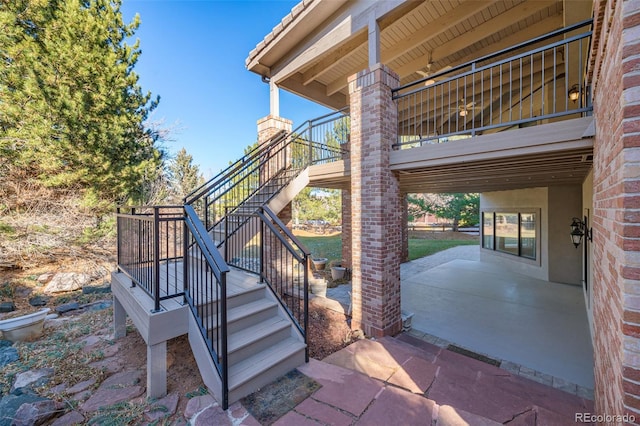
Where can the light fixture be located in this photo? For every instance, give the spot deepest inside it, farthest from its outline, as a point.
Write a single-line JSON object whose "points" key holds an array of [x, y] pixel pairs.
{"points": [[578, 230], [574, 93]]}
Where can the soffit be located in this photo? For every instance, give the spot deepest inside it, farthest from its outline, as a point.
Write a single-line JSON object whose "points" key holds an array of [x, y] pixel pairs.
{"points": [[315, 61]]}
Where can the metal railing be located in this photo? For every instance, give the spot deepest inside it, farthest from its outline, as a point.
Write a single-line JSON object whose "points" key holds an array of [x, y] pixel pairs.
{"points": [[205, 277], [259, 175], [498, 92], [150, 249], [271, 251]]}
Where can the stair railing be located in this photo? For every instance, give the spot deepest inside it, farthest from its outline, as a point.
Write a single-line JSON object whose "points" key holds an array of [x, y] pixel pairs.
{"points": [[205, 284]]}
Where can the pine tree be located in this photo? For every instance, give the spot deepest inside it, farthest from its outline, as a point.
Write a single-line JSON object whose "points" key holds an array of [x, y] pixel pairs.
{"points": [[184, 176], [72, 113]]}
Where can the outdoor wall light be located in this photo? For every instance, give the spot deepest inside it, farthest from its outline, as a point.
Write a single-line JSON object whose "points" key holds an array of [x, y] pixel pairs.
{"points": [[578, 230], [574, 93]]}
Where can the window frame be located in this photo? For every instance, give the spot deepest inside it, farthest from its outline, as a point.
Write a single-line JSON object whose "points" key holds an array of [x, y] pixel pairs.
{"points": [[519, 212]]}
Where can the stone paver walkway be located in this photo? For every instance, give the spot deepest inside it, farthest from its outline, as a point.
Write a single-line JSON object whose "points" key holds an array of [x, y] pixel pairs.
{"points": [[408, 381]]}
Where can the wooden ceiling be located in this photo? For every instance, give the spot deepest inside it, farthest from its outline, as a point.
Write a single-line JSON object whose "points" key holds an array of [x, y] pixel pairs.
{"points": [[314, 52]]}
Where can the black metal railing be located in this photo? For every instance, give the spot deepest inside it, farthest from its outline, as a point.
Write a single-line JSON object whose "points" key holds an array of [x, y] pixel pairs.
{"points": [[205, 279], [504, 90], [259, 175], [150, 249], [264, 246]]}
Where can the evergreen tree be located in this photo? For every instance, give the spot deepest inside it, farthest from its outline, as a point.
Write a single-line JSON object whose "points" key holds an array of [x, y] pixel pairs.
{"points": [[184, 176], [71, 110]]}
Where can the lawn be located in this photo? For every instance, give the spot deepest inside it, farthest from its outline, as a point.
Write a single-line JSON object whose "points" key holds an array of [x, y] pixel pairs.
{"points": [[331, 247]]}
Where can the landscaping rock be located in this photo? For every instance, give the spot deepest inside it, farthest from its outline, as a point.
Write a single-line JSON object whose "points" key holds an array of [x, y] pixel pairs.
{"points": [[36, 413], [122, 379], [39, 300], [110, 365], [98, 306], [10, 404], [162, 408], [213, 415], [44, 278], [71, 418], [8, 355], [7, 307], [81, 386], [67, 281], [67, 307], [92, 289], [32, 378], [198, 404], [5, 343], [107, 397]]}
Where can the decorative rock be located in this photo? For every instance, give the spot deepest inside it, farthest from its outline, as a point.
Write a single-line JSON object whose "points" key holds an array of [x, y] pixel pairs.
{"points": [[96, 289], [213, 415], [39, 300], [197, 404], [79, 387], [8, 355], [44, 278], [162, 408], [36, 413], [122, 379], [5, 343], [71, 418], [67, 281], [106, 397], [7, 307], [110, 365], [67, 307], [98, 306], [10, 404], [32, 377]]}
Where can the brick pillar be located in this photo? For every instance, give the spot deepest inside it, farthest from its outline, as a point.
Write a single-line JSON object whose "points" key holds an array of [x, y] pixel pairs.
{"points": [[616, 183], [346, 228], [270, 125], [405, 229], [376, 207]]}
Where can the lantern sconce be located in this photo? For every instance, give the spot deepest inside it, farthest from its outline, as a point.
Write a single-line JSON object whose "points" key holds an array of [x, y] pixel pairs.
{"points": [[574, 93], [578, 230]]}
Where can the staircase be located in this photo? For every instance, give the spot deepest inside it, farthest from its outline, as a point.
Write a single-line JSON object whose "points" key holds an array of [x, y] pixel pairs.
{"points": [[243, 274]]}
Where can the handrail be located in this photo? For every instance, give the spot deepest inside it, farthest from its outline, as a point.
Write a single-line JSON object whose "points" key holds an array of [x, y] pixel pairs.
{"points": [[273, 278], [521, 90], [516, 47], [201, 293]]}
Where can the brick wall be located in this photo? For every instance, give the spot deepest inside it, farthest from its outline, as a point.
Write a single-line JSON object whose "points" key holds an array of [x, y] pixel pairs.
{"points": [[346, 227], [376, 206], [615, 70]]}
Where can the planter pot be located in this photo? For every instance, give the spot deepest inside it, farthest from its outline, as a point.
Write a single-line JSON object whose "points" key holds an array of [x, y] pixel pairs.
{"points": [[319, 288], [320, 263], [337, 272], [24, 328]]}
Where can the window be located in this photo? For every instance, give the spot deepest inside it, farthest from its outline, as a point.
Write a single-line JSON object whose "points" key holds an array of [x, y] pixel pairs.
{"points": [[510, 232]]}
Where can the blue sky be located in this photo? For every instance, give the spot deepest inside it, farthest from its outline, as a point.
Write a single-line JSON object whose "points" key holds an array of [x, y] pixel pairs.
{"points": [[193, 55]]}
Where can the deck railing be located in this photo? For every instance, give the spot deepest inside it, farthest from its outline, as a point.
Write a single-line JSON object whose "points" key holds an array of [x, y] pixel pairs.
{"points": [[150, 249], [542, 80]]}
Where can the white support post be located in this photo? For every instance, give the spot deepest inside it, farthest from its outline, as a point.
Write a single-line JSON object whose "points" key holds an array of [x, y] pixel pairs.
{"points": [[374, 42], [274, 99], [119, 319], [157, 370]]}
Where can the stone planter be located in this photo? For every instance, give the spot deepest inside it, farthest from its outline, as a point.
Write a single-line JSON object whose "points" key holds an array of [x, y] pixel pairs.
{"points": [[337, 272], [318, 288], [24, 328], [319, 263]]}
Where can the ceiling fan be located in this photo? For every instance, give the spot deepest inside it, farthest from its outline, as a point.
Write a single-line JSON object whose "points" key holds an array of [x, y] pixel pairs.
{"points": [[464, 108], [428, 73]]}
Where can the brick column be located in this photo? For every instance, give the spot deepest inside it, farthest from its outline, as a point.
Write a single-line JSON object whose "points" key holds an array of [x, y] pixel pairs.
{"points": [[270, 125], [405, 229], [616, 184], [376, 207], [346, 228]]}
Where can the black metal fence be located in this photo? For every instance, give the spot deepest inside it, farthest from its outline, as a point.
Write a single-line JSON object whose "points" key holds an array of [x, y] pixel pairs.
{"points": [[539, 81], [150, 249]]}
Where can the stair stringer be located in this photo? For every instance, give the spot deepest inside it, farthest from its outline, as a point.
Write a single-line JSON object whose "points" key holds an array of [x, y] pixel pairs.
{"points": [[289, 192], [207, 368]]}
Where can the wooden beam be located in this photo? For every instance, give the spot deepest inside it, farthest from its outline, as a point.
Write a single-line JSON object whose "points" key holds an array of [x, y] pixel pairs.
{"points": [[435, 28], [345, 51], [481, 32]]}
